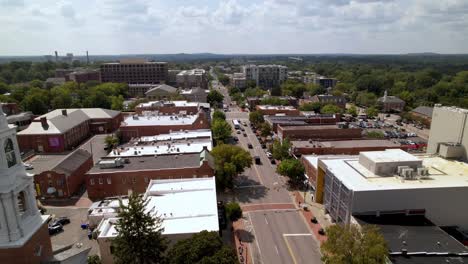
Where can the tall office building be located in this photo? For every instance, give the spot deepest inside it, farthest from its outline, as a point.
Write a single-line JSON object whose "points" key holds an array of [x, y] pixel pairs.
{"points": [[134, 71], [266, 76]]}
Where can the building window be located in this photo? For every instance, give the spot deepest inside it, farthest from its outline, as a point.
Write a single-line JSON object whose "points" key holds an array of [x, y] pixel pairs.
{"points": [[22, 207], [146, 179], [109, 181], [91, 181], [10, 153], [100, 180], [133, 180], [124, 180], [60, 182]]}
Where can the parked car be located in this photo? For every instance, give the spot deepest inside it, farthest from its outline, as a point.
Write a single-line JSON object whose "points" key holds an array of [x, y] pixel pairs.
{"points": [[249, 145], [55, 228], [263, 146], [269, 155], [238, 132], [236, 139], [245, 135], [273, 161], [61, 220]]}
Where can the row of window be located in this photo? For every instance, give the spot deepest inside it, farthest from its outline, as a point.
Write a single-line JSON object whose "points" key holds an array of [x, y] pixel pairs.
{"points": [[109, 180]]}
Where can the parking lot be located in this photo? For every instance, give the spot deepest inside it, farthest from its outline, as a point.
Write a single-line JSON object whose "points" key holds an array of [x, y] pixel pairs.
{"points": [[72, 232]]}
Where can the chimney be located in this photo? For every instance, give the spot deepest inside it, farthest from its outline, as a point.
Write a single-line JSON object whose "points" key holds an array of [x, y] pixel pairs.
{"points": [[44, 122], [56, 56], [87, 58], [64, 112]]}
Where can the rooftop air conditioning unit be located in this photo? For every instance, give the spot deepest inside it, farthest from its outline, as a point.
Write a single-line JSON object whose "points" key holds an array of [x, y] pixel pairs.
{"points": [[408, 174], [400, 169], [423, 172]]}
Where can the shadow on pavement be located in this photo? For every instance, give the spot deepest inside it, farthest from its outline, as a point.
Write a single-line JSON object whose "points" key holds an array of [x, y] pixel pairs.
{"points": [[247, 195], [243, 180], [244, 235]]}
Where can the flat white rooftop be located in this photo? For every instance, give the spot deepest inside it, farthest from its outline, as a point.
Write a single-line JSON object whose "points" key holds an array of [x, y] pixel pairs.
{"points": [[186, 206], [276, 107], [160, 120], [188, 134], [160, 149], [442, 174], [389, 155], [162, 103]]}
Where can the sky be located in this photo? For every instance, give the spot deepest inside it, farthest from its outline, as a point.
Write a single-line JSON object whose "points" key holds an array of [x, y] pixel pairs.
{"points": [[39, 27]]}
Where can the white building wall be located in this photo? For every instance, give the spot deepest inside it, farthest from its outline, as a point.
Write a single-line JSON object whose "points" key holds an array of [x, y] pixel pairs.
{"points": [[444, 206], [448, 125]]}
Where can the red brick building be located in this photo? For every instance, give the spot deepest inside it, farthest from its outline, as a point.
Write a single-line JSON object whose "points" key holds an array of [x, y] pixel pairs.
{"points": [[60, 175], [323, 132], [64, 129], [325, 99], [342, 147], [277, 110], [112, 177], [320, 119], [150, 124], [83, 76]]}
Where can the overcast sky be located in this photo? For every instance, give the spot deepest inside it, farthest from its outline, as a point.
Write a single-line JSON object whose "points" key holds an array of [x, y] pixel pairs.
{"points": [[38, 27]]}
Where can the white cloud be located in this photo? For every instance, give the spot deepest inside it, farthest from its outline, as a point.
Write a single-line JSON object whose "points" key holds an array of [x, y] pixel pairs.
{"points": [[234, 26]]}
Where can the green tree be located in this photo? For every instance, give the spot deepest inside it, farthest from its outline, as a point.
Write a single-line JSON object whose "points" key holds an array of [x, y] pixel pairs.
{"points": [[223, 79], [372, 112], [230, 161], [219, 115], [93, 259], [214, 98], [221, 130], [117, 102], [251, 84], [293, 88], [315, 106], [280, 149], [135, 103], [273, 101], [331, 109], [254, 92], [293, 169], [233, 211], [20, 76], [4, 88], [139, 239], [347, 244], [352, 111], [256, 118], [111, 142], [36, 83], [204, 247], [265, 129], [37, 101]]}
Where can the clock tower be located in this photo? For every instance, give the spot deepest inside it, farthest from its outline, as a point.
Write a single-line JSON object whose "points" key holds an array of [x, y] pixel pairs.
{"points": [[24, 235]]}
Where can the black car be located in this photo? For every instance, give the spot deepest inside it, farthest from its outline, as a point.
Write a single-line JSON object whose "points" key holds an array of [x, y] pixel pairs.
{"points": [[245, 135], [257, 160], [263, 146], [235, 139], [250, 146], [273, 162], [55, 228], [62, 220]]}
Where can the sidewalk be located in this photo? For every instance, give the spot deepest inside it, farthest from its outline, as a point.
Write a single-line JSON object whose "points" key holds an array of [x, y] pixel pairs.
{"points": [[241, 240], [313, 210]]}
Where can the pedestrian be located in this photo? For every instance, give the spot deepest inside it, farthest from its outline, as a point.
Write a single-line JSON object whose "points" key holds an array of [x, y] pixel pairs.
{"points": [[90, 234]]}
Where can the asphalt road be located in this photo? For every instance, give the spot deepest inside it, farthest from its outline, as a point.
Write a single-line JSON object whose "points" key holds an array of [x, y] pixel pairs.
{"points": [[275, 230]]}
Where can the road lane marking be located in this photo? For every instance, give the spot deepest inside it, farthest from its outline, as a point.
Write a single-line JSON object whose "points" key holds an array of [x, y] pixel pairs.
{"points": [[290, 250], [258, 174], [291, 235], [277, 251], [256, 240], [266, 221]]}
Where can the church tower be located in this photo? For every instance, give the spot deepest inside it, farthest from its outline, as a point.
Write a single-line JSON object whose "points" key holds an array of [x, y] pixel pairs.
{"points": [[24, 235]]}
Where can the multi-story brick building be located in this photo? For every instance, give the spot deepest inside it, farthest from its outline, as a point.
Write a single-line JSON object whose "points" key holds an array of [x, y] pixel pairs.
{"points": [[323, 132], [192, 78], [342, 147], [266, 76], [320, 119], [83, 76], [239, 81], [155, 123], [60, 175], [391, 103], [134, 71], [117, 176], [64, 129]]}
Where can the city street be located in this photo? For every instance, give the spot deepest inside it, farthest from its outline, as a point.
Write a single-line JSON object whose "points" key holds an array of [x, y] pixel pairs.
{"points": [[275, 231]]}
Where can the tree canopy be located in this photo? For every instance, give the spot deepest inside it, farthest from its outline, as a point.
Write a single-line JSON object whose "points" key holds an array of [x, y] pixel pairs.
{"points": [[331, 109], [217, 114], [293, 169], [256, 118], [230, 161], [233, 211], [215, 98], [280, 149], [139, 239], [221, 130], [349, 245], [204, 247]]}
